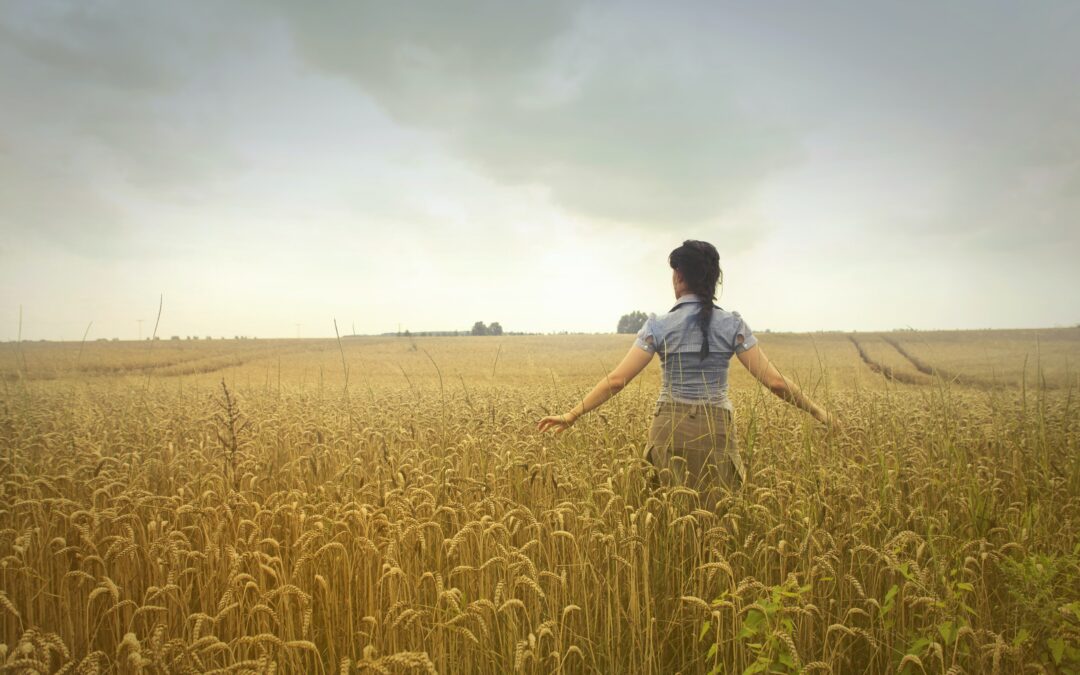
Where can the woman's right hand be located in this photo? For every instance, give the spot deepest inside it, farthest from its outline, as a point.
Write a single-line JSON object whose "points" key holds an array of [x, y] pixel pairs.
{"points": [[559, 423], [831, 422]]}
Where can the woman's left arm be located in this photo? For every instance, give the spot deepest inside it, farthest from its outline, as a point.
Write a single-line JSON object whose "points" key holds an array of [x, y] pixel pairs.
{"points": [[633, 363]]}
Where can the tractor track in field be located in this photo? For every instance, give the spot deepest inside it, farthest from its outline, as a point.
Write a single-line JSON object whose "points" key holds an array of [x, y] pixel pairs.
{"points": [[196, 365], [887, 371], [933, 371]]}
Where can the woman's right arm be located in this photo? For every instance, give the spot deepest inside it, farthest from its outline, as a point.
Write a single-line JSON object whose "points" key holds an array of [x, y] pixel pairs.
{"points": [[633, 363], [761, 368]]}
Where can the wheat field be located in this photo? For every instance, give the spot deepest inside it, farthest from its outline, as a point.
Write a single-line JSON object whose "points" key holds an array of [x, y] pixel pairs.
{"points": [[385, 505]]}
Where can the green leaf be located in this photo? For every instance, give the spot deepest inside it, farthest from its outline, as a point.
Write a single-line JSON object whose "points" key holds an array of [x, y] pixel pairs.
{"points": [[712, 651], [890, 598], [1057, 649], [1073, 607], [1021, 637], [891, 593], [754, 619], [918, 646], [965, 586], [717, 669], [947, 630], [704, 630], [905, 570], [758, 666]]}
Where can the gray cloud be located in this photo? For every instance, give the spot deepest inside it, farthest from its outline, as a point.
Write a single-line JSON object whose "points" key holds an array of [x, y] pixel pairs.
{"points": [[981, 97], [853, 137], [627, 112], [45, 200], [615, 117], [676, 116], [101, 101]]}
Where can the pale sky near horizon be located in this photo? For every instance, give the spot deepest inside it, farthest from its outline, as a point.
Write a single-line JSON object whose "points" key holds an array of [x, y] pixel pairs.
{"points": [[859, 165]]}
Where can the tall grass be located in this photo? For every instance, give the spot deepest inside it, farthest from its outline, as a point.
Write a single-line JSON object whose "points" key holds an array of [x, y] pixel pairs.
{"points": [[239, 527]]}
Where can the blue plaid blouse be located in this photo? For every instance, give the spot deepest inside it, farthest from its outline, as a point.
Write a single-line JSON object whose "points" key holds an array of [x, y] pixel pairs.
{"points": [[676, 337]]}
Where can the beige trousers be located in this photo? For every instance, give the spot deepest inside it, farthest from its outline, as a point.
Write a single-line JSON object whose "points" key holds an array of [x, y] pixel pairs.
{"points": [[693, 445]]}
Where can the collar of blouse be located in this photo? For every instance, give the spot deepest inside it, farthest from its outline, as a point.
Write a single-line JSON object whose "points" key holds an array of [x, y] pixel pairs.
{"points": [[687, 298]]}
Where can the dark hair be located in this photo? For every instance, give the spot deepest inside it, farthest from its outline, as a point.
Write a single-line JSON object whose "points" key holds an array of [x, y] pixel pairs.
{"points": [[699, 264]]}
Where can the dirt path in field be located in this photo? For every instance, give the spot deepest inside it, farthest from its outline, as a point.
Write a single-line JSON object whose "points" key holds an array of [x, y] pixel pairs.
{"points": [[194, 365], [927, 369], [887, 371]]}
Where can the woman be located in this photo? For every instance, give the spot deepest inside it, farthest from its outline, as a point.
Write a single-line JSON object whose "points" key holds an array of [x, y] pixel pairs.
{"points": [[691, 440]]}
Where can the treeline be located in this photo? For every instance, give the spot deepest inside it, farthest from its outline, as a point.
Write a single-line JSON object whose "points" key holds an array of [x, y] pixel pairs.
{"points": [[479, 328], [632, 322]]}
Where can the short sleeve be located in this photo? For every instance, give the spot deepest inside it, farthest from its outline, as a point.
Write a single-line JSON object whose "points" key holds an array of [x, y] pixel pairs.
{"points": [[744, 338], [645, 339]]}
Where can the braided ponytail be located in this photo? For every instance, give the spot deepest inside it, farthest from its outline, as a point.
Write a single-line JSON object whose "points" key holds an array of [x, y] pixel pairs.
{"points": [[699, 264]]}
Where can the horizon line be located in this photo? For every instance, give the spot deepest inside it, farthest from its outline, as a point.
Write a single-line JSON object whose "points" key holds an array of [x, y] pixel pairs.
{"points": [[467, 333]]}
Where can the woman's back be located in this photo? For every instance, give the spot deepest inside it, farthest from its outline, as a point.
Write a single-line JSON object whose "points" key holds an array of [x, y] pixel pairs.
{"points": [[691, 439], [687, 377]]}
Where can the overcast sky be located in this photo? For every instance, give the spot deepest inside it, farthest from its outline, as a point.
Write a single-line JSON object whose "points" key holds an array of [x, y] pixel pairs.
{"points": [[859, 165]]}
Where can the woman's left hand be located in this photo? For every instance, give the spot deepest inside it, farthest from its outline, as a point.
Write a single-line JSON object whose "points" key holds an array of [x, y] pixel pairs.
{"points": [[559, 423]]}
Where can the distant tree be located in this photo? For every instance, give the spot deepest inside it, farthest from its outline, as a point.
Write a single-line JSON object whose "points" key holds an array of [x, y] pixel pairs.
{"points": [[632, 322], [479, 328], [175, 337], [495, 328]]}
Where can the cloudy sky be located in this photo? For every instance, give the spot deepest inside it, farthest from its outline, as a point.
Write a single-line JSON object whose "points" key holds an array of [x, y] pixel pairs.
{"points": [[859, 165]]}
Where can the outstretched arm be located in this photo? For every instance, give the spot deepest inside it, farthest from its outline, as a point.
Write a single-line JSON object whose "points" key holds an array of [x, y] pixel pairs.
{"points": [[761, 368], [614, 382]]}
